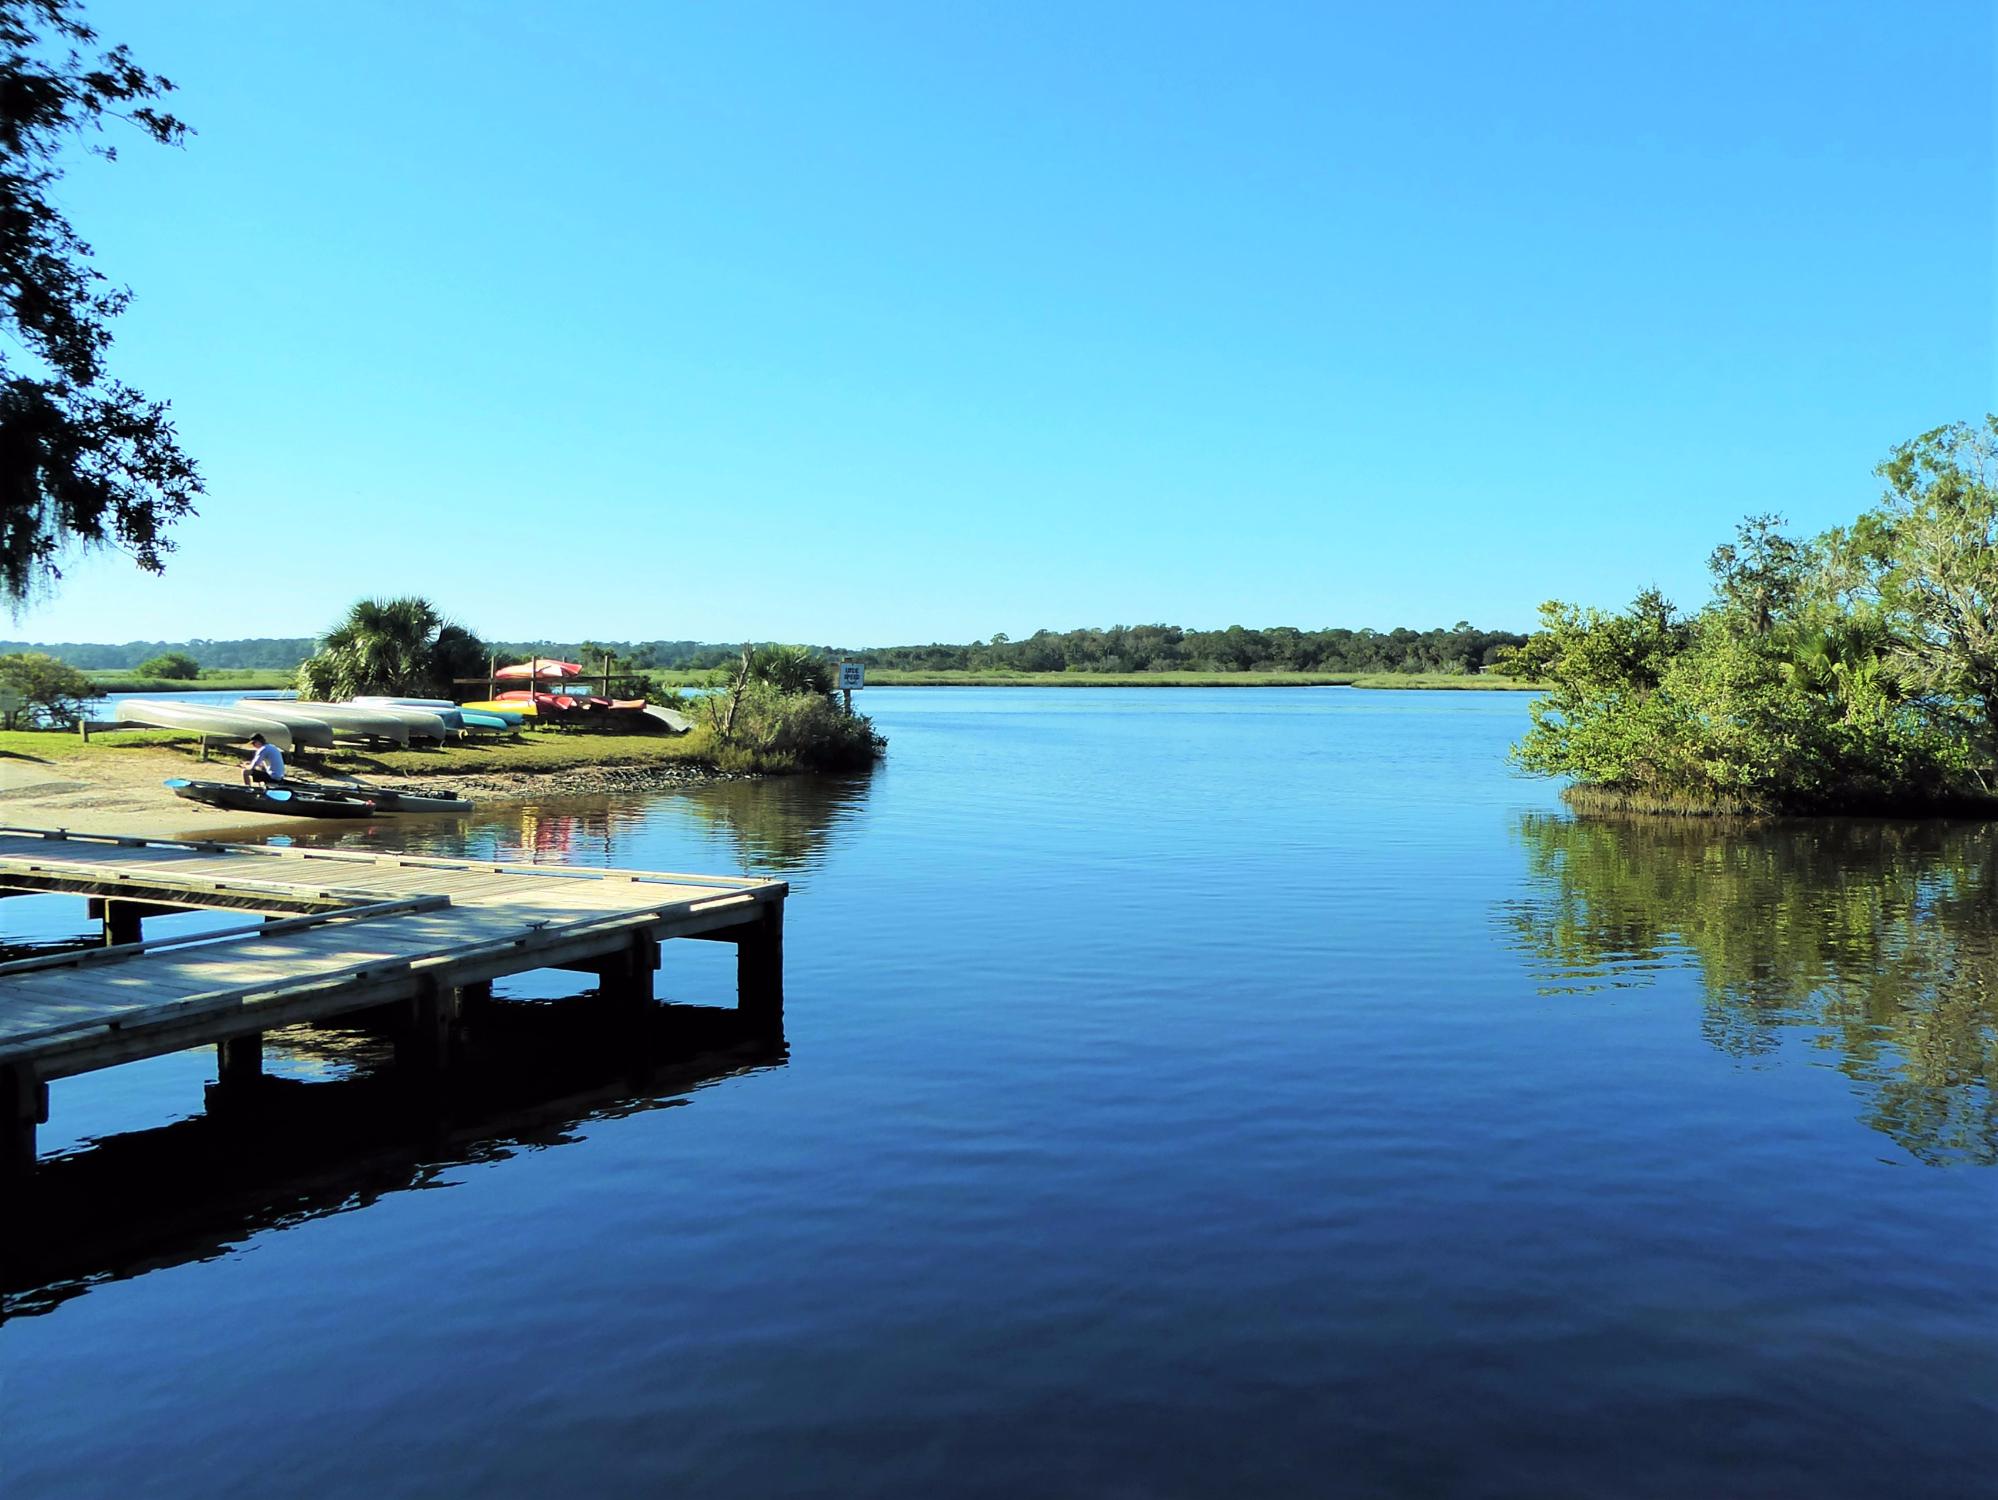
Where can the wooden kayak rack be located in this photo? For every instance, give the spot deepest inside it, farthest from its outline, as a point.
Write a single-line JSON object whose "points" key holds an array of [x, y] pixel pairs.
{"points": [[340, 932]]}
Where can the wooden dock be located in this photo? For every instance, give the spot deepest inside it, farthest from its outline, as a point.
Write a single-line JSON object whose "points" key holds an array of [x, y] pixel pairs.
{"points": [[336, 933]]}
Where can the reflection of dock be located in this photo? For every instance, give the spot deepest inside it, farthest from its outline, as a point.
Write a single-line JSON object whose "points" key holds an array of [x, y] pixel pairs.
{"points": [[343, 933], [290, 1151]]}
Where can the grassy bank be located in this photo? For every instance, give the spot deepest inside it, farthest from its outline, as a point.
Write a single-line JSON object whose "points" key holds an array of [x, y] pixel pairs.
{"points": [[229, 679], [533, 753], [1483, 682], [56, 746]]}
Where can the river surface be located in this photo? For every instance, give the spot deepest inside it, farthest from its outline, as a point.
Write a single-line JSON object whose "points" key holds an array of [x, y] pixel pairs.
{"points": [[1184, 1093]]}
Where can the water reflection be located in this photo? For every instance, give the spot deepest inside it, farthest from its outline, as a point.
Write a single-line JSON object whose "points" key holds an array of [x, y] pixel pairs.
{"points": [[1874, 939], [537, 1077], [777, 826], [782, 825]]}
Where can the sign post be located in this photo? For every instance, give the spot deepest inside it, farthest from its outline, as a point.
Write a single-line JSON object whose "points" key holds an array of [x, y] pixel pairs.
{"points": [[11, 703], [852, 675]]}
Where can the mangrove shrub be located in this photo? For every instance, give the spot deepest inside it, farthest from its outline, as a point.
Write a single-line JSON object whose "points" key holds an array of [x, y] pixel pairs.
{"points": [[1855, 670]]}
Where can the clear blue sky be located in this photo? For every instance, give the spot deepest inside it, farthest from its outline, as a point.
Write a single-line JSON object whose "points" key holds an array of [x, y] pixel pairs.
{"points": [[872, 323]]}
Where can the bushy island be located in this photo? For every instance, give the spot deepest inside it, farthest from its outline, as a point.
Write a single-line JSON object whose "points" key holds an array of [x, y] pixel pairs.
{"points": [[1856, 671]]}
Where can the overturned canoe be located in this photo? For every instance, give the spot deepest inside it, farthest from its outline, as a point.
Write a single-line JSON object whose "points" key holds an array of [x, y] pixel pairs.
{"points": [[422, 723], [284, 801], [348, 722], [307, 731], [216, 720]]}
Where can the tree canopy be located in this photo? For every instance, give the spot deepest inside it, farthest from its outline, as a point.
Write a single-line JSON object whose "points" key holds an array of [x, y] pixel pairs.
{"points": [[1857, 669], [394, 647], [85, 460]]}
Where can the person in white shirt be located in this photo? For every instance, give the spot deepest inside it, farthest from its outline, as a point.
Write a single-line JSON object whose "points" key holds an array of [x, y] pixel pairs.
{"points": [[266, 767]]}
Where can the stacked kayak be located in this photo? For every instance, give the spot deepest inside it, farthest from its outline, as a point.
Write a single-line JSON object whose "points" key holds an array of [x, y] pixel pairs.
{"points": [[217, 721], [471, 717], [287, 801]]}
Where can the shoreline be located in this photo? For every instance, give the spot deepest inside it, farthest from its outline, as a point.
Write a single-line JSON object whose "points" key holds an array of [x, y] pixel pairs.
{"points": [[122, 793]]}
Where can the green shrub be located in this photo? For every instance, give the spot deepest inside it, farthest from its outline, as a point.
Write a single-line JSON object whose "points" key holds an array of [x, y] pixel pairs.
{"points": [[53, 690], [760, 725], [172, 666]]}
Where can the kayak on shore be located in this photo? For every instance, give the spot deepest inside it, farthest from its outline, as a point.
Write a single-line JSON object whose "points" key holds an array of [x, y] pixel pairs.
{"points": [[387, 799], [281, 800]]}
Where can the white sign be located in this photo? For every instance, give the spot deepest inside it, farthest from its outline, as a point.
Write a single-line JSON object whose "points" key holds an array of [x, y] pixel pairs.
{"points": [[852, 674]]}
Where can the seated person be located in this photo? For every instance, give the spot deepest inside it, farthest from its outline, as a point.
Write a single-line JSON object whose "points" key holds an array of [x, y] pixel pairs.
{"points": [[266, 767]]}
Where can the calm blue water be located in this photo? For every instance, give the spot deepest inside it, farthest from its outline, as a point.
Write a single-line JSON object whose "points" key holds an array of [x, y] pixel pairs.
{"points": [[1187, 1093]]}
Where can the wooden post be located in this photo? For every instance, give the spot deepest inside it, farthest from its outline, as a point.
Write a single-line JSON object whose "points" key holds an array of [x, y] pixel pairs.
{"points": [[122, 923], [428, 1040], [239, 1062], [759, 966], [24, 1104]]}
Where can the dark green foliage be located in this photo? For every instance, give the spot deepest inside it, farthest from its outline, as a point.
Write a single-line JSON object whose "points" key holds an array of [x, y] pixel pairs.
{"points": [[172, 665], [776, 712], [1856, 671], [53, 690], [393, 647], [84, 459], [268, 655], [1169, 648]]}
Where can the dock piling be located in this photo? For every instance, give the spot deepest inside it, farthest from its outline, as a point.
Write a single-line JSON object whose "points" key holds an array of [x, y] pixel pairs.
{"points": [[759, 966], [24, 1104]]}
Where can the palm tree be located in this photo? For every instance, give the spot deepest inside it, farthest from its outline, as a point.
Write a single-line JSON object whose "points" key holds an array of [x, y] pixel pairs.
{"points": [[791, 669], [395, 647]]}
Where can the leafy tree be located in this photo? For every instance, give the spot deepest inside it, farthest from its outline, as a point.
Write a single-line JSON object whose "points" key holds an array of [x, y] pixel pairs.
{"points": [[173, 665], [55, 690], [1859, 670], [393, 647], [1932, 550], [1760, 573], [84, 459]]}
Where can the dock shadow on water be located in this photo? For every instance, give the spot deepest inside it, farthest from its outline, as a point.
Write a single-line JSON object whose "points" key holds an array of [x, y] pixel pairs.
{"points": [[1873, 943], [535, 1076]]}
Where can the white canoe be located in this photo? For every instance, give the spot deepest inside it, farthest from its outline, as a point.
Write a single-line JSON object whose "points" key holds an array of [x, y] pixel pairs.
{"points": [[420, 722], [348, 722], [216, 720], [306, 731]]}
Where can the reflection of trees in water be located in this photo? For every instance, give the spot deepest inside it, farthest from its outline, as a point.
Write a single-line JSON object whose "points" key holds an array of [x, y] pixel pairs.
{"points": [[781, 824], [1876, 937]]}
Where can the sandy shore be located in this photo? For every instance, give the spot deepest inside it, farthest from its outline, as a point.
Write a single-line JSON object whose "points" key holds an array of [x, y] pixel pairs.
{"points": [[122, 793]]}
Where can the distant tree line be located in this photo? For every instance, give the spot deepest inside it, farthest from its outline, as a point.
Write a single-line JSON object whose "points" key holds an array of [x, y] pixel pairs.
{"points": [[267, 655], [1458, 648], [1120, 648]]}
